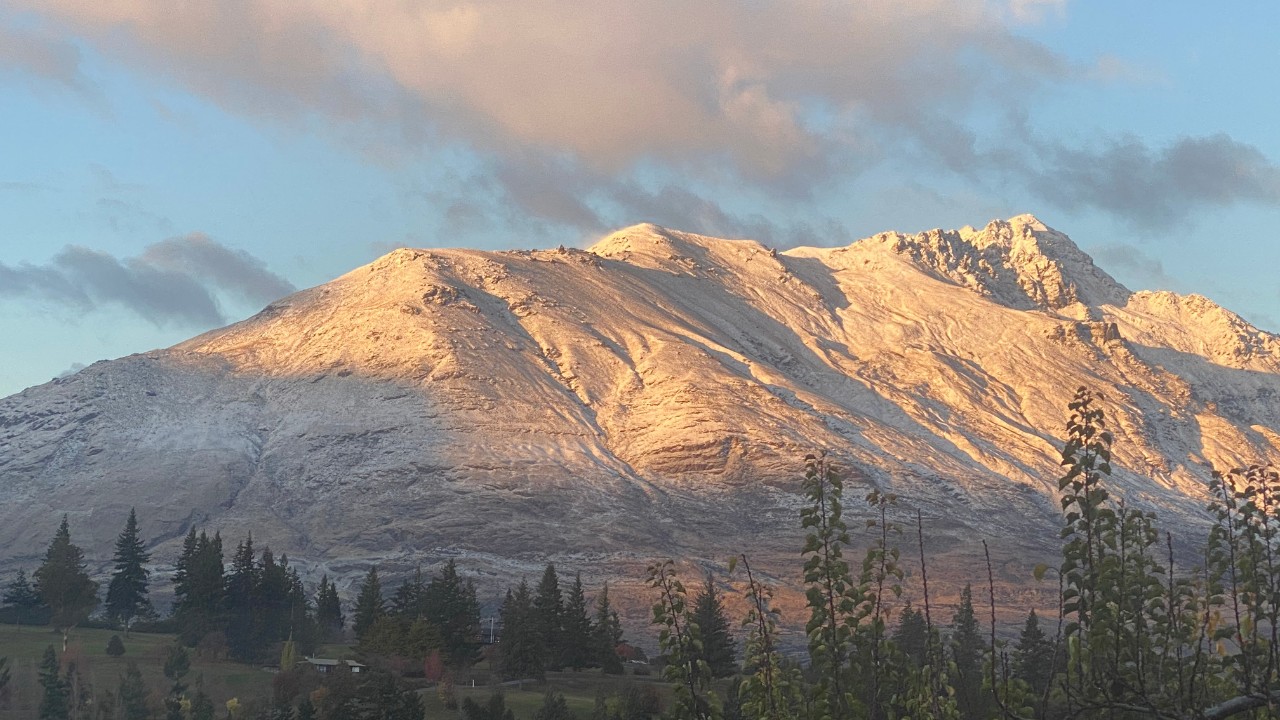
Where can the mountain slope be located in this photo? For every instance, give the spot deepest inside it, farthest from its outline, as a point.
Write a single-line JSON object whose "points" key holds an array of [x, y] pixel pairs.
{"points": [[653, 395]]}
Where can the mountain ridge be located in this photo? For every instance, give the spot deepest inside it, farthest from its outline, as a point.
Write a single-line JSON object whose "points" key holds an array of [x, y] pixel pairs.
{"points": [[654, 394]]}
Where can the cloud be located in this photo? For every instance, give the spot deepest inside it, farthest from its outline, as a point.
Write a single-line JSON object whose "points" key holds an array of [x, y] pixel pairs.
{"points": [[1156, 189], [548, 195], [234, 271], [45, 55], [173, 282], [768, 90], [72, 370], [1130, 261], [576, 106]]}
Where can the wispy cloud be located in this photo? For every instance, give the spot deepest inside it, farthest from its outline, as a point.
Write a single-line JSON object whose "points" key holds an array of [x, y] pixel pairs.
{"points": [[1130, 260], [1155, 189], [780, 98], [47, 56], [173, 282]]}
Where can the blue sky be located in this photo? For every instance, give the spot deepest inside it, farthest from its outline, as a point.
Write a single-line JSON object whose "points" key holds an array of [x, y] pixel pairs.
{"points": [[165, 172]]}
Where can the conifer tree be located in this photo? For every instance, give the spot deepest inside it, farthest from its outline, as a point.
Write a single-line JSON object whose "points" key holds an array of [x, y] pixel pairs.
{"points": [[369, 603], [273, 602], [578, 634], [132, 694], [55, 700], [410, 599], [912, 637], [521, 649], [28, 607], [1033, 656], [607, 634], [241, 599], [301, 627], [548, 612], [328, 610], [63, 583], [452, 607], [199, 587], [127, 593], [719, 649], [966, 654]]}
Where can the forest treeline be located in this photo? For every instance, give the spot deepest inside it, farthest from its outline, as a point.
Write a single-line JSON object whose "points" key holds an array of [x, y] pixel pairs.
{"points": [[1134, 634]]}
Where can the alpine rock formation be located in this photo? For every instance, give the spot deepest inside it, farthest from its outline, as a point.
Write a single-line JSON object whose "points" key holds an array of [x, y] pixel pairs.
{"points": [[651, 396]]}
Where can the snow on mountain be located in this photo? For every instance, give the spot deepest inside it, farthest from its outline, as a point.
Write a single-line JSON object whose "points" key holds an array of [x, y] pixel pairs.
{"points": [[653, 395]]}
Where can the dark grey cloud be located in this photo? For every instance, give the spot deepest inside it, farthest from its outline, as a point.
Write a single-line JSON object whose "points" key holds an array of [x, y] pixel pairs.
{"points": [[1155, 189], [1127, 260], [174, 282], [235, 271], [45, 55], [550, 195]]}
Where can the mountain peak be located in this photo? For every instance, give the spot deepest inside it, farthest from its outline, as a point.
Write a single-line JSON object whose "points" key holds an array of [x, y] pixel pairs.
{"points": [[1020, 262]]}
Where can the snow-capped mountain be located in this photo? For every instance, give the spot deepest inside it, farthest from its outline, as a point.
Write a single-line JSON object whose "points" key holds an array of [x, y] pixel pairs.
{"points": [[653, 395]]}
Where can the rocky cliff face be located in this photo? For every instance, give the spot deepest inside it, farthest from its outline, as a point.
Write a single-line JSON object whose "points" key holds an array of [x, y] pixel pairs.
{"points": [[651, 396]]}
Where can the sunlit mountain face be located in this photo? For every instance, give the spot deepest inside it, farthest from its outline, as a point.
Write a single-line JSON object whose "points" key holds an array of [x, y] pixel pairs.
{"points": [[652, 396]]}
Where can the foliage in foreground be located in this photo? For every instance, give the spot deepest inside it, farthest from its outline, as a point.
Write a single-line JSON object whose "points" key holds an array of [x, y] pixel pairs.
{"points": [[1136, 635]]}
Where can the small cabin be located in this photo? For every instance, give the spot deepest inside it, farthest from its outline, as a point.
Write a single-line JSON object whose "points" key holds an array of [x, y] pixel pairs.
{"points": [[325, 665]]}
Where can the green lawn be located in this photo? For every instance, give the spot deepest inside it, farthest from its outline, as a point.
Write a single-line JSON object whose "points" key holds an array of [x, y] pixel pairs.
{"points": [[24, 647], [580, 690], [223, 680]]}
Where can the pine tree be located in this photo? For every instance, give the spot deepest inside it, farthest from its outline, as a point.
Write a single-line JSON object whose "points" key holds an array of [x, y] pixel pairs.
{"points": [[452, 607], [132, 694], [966, 654], [273, 602], [410, 599], [127, 593], [548, 617], [608, 634], [521, 650], [63, 583], [719, 649], [28, 607], [241, 599], [1033, 660], [329, 610], [578, 633], [199, 588], [55, 701], [912, 636], [369, 603], [115, 646], [302, 627]]}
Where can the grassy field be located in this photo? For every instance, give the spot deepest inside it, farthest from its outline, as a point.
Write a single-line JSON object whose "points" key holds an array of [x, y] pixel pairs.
{"points": [[579, 689], [24, 647], [224, 680]]}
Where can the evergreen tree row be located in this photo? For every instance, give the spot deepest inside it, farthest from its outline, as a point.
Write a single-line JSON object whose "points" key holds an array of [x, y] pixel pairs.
{"points": [[422, 616], [256, 604], [543, 630]]}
